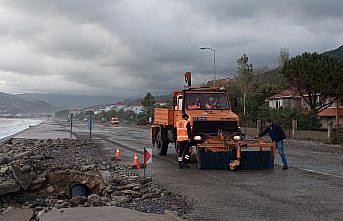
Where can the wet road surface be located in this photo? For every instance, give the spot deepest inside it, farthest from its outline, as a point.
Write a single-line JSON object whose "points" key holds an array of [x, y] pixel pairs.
{"points": [[312, 188]]}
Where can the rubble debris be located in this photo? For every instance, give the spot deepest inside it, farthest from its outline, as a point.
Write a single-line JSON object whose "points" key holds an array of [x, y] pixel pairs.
{"points": [[41, 174]]}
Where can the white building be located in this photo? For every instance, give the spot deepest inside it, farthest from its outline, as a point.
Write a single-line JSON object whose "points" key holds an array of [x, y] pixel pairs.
{"points": [[119, 106], [136, 109]]}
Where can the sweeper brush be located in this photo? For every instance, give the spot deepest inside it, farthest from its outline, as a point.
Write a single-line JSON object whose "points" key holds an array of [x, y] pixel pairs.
{"points": [[233, 155]]}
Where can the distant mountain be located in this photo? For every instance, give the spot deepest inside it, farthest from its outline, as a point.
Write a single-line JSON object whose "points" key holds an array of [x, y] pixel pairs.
{"points": [[69, 101], [138, 101], [336, 53], [12, 104]]}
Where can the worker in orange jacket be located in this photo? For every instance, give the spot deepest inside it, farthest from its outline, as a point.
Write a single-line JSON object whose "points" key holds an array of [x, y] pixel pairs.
{"points": [[183, 134]]}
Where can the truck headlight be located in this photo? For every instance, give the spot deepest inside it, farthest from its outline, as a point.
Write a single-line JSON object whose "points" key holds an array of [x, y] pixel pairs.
{"points": [[237, 138], [197, 138]]}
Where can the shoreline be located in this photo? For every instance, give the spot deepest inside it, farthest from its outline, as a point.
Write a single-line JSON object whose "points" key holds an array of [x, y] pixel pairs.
{"points": [[5, 139]]}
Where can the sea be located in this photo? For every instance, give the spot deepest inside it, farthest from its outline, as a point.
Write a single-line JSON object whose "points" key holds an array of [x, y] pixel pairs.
{"points": [[10, 126]]}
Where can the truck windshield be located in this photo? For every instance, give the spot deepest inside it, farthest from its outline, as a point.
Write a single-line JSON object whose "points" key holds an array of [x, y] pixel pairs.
{"points": [[202, 101]]}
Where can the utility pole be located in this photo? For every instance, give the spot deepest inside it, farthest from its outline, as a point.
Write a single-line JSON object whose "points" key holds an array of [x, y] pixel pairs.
{"points": [[71, 125], [150, 117], [214, 62]]}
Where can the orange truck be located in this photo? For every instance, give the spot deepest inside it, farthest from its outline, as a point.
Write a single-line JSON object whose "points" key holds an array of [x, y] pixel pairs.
{"points": [[216, 136]]}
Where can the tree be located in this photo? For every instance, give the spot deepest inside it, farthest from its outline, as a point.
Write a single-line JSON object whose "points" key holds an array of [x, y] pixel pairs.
{"points": [[245, 75], [317, 78], [148, 102]]}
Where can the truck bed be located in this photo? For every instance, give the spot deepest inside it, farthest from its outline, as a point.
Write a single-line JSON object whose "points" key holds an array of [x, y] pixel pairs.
{"points": [[163, 116]]}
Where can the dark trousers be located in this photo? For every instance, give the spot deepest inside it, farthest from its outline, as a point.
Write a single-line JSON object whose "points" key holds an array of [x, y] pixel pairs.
{"points": [[183, 152]]}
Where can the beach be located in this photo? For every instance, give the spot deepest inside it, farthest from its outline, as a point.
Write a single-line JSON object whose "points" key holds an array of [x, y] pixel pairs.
{"points": [[11, 126]]}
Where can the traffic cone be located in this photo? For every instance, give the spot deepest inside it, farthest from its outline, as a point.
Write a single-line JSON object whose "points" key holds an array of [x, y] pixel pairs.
{"points": [[136, 162], [118, 153]]}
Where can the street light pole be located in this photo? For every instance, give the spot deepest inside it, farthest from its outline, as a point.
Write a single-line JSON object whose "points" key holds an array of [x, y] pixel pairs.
{"points": [[214, 62]]}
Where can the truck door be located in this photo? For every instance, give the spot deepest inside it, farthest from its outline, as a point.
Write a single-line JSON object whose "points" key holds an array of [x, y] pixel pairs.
{"points": [[179, 99]]}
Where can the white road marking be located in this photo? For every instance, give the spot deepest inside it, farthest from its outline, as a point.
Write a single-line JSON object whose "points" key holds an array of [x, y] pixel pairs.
{"points": [[315, 171], [322, 173]]}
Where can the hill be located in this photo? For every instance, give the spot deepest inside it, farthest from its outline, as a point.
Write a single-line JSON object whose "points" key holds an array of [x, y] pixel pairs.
{"points": [[69, 101], [336, 53], [12, 104]]}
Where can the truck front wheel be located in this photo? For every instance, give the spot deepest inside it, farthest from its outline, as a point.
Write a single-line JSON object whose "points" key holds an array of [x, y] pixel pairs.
{"points": [[162, 143]]}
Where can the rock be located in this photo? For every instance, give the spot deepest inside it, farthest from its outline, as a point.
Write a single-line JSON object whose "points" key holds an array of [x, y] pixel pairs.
{"points": [[4, 160], [114, 203], [78, 200], [106, 176], [39, 179], [9, 186], [24, 179], [136, 188], [102, 167], [132, 193], [4, 169], [87, 167], [130, 186], [120, 199], [149, 196], [50, 189], [93, 197], [64, 205], [108, 189], [26, 169], [95, 200], [117, 193]]}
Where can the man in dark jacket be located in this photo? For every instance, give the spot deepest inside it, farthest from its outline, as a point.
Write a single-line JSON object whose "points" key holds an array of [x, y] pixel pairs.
{"points": [[276, 134]]}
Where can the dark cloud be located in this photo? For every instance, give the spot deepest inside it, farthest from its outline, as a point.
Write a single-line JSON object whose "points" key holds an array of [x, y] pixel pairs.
{"points": [[126, 48]]}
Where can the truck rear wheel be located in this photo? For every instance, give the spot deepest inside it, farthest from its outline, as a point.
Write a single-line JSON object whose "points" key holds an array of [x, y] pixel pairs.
{"points": [[162, 144]]}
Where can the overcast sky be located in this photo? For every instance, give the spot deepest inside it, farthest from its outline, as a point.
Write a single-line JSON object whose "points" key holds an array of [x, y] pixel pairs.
{"points": [[123, 48]]}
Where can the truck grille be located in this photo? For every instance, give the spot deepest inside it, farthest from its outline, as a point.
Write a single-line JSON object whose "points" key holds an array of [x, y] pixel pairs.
{"points": [[212, 127]]}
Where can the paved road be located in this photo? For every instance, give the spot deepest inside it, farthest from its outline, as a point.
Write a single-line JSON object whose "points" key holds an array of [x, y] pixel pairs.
{"points": [[312, 189]]}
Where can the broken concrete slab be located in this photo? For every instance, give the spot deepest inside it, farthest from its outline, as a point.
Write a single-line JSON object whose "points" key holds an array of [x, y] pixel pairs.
{"points": [[9, 186], [17, 214], [23, 178]]}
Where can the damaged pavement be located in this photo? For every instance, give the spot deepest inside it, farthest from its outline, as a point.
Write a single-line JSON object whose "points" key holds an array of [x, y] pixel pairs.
{"points": [[41, 175]]}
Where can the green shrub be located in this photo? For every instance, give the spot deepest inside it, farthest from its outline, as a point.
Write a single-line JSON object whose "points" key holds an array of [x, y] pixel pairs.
{"points": [[284, 117]]}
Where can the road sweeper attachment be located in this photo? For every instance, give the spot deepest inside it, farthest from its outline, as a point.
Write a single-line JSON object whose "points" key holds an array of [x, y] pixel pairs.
{"points": [[227, 152]]}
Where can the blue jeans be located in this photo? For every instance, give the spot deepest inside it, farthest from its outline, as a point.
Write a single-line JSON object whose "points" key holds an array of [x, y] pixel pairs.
{"points": [[280, 147]]}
